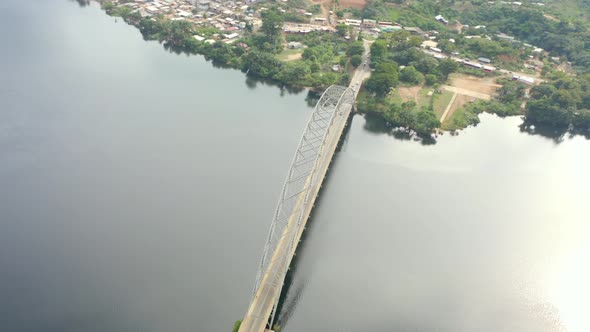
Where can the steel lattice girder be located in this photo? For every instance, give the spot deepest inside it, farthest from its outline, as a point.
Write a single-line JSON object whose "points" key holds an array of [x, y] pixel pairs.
{"points": [[299, 179]]}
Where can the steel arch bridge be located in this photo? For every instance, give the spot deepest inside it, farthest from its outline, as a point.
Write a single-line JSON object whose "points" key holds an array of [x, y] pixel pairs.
{"points": [[307, 171]]}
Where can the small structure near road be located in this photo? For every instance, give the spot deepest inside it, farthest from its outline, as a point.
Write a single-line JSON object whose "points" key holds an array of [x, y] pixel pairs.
{"points": [[441, 18], [414, 30], [429, 44], [294, 45], [484, 60], [524, 79]]}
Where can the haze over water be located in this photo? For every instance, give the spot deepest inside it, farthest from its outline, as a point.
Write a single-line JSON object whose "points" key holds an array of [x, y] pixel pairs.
{"points": [[137, 187]]}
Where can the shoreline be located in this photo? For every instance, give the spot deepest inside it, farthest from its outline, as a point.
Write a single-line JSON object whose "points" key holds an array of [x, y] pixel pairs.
{"points": [[234, 55], [238, 57]]}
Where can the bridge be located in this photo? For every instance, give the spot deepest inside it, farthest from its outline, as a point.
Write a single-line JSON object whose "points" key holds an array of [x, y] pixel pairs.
{"points": [[306, 174]]}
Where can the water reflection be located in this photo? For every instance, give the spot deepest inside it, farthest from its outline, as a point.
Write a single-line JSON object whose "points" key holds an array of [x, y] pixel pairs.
{"points": [[557, 134], [375, 124], [298, 276], [82, 3]]}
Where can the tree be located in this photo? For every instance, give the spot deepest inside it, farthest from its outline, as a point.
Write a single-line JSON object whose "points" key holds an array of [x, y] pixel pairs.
{"points": [[446, 67], [426, 122], [294, 71], [237, 325], [383, 79], [272, 24], [378, 50], [446, 46], [544, 111], [356, 48], [430, 79], [356, 60], [581, 120], [342, 30], [261, 64], [403, 115], [543, 90], [411, 75]]}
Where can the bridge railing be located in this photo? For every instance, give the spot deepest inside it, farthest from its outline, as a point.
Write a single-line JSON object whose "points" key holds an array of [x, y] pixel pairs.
{"points": [[295, 193]]}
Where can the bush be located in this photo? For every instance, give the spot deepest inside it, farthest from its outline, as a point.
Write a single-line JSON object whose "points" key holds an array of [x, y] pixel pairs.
{"points": [[356, 60], [237, 325], [430, 79], [411, 75]]}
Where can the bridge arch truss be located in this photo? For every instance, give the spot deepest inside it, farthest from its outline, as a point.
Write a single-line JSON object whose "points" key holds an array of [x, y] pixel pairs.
{"points": [[295, 197]]}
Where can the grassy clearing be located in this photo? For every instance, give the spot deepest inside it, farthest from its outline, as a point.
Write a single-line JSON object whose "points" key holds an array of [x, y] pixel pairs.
{"points": [[394, 97], [290, 54], [393, 14], [441, 101], [460, 119], [423, 97]]}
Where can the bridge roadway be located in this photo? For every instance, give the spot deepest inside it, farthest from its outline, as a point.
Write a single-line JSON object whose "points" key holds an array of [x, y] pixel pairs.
{"points": [[269, 289]]}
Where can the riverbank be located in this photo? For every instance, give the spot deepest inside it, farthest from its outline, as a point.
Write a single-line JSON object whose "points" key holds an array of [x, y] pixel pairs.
{"points": [[318, 59], [324, 58]]}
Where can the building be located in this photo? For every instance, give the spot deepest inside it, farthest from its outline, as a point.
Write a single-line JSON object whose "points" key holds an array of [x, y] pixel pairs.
{"points": [[414, 30], [231, 35], [505, 37], [472, 64], [386, 28], [354, 23], [437, 50], [369, 23], [524, 79], [294, 45], [484, 60], [203, 5], [429, 44], [440, 18]]}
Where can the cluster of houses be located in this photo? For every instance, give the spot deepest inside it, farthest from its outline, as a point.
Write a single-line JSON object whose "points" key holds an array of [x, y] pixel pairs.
{"points": [[228, 16], [373, 25], [292, 28], [482, 63]]}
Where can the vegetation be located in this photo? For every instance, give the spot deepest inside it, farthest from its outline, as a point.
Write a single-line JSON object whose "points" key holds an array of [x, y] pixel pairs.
{"points": [[356, 60], [257, 53], [388, 53], [465, 116], [237, 325], [563, 102]]}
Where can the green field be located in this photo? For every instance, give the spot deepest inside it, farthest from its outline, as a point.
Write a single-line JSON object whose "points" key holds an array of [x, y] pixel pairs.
{"points": [[441, 101]]}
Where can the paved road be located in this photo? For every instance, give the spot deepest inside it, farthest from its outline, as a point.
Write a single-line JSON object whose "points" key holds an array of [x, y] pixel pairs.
{"points": [[363, 71], [269, 289]]}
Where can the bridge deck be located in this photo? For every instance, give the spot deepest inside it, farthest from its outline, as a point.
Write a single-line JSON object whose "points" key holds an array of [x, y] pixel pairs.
{"points": [[269, 288]]}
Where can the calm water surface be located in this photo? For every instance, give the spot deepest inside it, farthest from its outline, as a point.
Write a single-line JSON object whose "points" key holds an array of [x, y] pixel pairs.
{"points": [[136, 188]]}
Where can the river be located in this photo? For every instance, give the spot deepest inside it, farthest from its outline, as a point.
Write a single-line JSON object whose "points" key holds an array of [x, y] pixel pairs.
{"points": [[137, 187]]}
